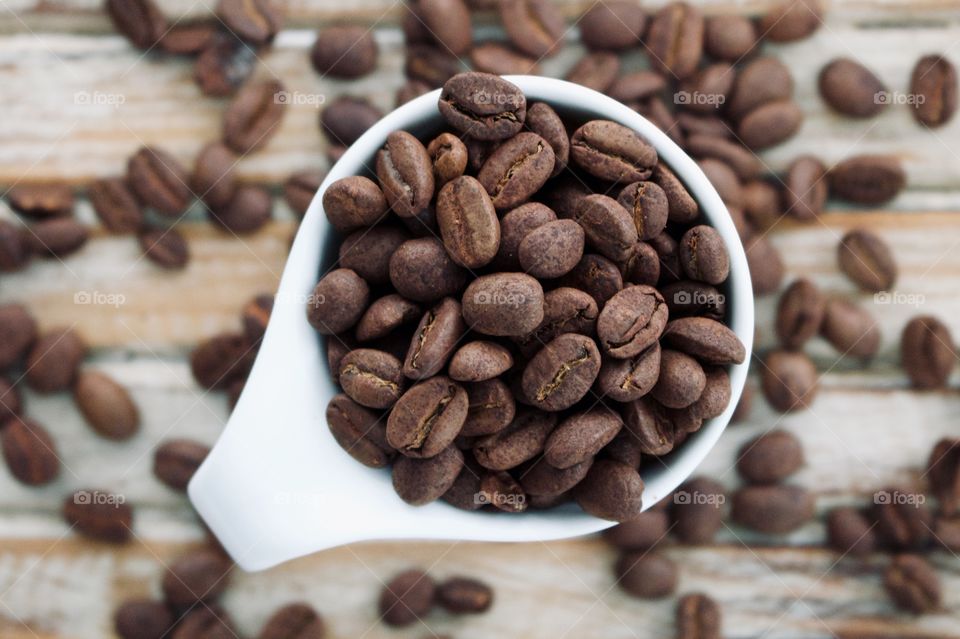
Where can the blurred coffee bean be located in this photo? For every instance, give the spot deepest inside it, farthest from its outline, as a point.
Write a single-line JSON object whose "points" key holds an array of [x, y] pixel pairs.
{"points": [[464, 595], [698, 617], [57, 236], [106, 405], [197, 576], [770, 457], [933, 85], [256, 21], [189, 37], [943, 471], [30, 452], [927, 352], [596, 71], [250, 208], [344, 119], [99, 515], [774, 510], [799, 313], [615, 25], [675, 39], [175, 461], [646, 531], [852, 89], [140, 21], [913, 584], [213, 175], [166, 248], [790, 380], [791, 20], [18, 330], [867, 260], [763, 80], [646, 575], [54, 360], [143, 619], [14, 250], [697, 510], [344, 51], [770, 124], [220, 359], [729, 37], [224, 65], [41, 200], [448, 22], [496, 58], [159, 181], [406, 598], [850, 532], [851, 330], [294, 621], [868, 179], [300, 187], [254, 115], [115, 205]]}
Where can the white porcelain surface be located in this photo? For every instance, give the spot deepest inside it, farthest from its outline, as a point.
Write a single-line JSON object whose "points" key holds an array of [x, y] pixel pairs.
{"points": [[277, 486]]}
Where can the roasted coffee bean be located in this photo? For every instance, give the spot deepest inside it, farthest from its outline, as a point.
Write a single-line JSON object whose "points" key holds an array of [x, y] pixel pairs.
{"points": [[166, 248], [648, 206], [943, 472], [406, 174], [611, 490], [913, 584], [789, 381], [675, 39], [115, 205], [106, 405], [769, 124], [636, 85], [607, 225], [764, 80], [337, 348], [479, 361], [565, 310], [422, 271], [745, 406], [540, 478], [250, 208], [612, 152], [851, 330], [344, 51], [903, 520], [498, 59], [927, 352], [544, 121], [514, 226], [597, 71], [698, 617], [852, 89], [367, 252], [220, 360], [686, 298], [468, 222], [56, 236], [646, 575], [626, 380], [406, 598], [806, 189], [209, 622], [99, 515], [224, 65], [255, 316], [642, 265], [353, 202], [18, 331], [668, 253], [213, 175], [189, 37], [867, 260], [733, 154], [41, 200], [294, 621], [448, 23], [140, 21], [868, 179], [713, 400], [631, 321], [359, 431], [501, 491], [517, 169], [436, 337], [849, 532], [371, 378], [143, 619], [198, 576], [775, 510], [449, 157], [645, 532], [581, 436], [253, 116], [159, 181], [703, 255], [729, 37], [299, 189], [561, 373], [535, 27], [725, 181], [766, 265], [761, 203], [256, 21], [176, 460], [521, 441], [946, 532], [770, 458], [430, 64], [428, 417], [421, 481], [681, 380], [492, 408], [14, 250], [338, 301], [346, 118], [483, 106], [463, 595], [54, 360], [11, 404], [612, 26], [30, 452], [791, 20], [799, 313], [934, 79], [697, 510], [503, 304], [552, 250], [597, 276], [682, 208], [707, 90], [384, 316]]}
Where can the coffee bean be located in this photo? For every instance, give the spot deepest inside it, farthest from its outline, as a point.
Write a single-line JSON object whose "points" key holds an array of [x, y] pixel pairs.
{"points": [[99, 515], [713, 400], [636, 86], [612, 26], [852, 89], [514, 226], [479, 361], [686, 298], [790, 381], [189, 37], [176, 460], [912, 584], [371, 378], [927, 352], [851, 330], [745, 406], [849, 532], [581, 436], [626, 380], [501, 491], [18, 331], [759, 82], [682, 208], [553, 249], [541, 478], [346, 118], [492, 408], [14, 250], [725, 181], [903, 520], [106, 405], [384, 316], [565, 310], [463, 595], [353, 202], [799, 313], [115, 205], [766, 265], [597, 71], [11, 404], [359, 431], [806, 189], [495, 58], [294, 621], [30, 452], [428, 417], [414, 89], [430, 64], [143, 619], [213, 175], [770, 458], [703, 255], [517, 169], [791, 20], [770, 124], [256, 21], [597, 276], [249, 210], [406, 174], [612, 152], [631, 321], [646, 575], [406, 598], [448, 23], [449, 157], [607, 225], [433, 342], [299, 189], [468, 222], [642, 265], [697, 510], [224, 65], [159, 181], [220, 360], [733, 154], [208, 621], [943, 472], [338, 301], [368, 251], [867, 260], [140, 21], [675, 39], [535, 27], [56, 236], [729, 37], [54, 360], [344, 51], [421, 481], [562, 372], [421, 270], [681, 380], [868, 179], [934, 79], [253, 116], [698, 617], [611, 490], [41, 200], [166, 248], [774, 510], [198, 576], [761, 202], [521, 441], [483, 106], [946, 532], [255, 316], [544, 121], [644, 532], [503, 304], [648, 205]]}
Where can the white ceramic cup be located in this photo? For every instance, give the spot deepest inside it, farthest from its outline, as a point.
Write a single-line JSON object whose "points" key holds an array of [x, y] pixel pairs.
{"points": [[277, 486]]}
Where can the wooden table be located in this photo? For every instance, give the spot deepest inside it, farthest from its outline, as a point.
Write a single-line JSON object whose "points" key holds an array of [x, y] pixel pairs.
{"points": [[865, 429]]}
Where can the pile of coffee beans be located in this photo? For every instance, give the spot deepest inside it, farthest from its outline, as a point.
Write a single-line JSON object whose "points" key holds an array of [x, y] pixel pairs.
{"points": [[410, 596], [517, 324]]}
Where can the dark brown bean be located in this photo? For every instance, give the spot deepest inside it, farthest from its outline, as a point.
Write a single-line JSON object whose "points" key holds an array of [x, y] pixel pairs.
{"points": [[30, 452], [867, 260], [428, 417], [612, 152], [106, 405], [159, 181], [791, 20], [483, 106], [943, 471], [406, 598], [433, 342], [468, 222], [220, 360], [422, 271], [849, 532], [344, 51], [675, 39], [345, 118], [927, 352], [479, 361], [614, 26], [353, 202], [521, 441], [729, 37], [697, 510], [294, 621], [200, 575], [698, 617], [799, 313], [933, 87], [41, 200], [421, 481], [371, 378], [631, 321], [405, 173], [53, 362], [581, 436], [790, 380], [645, 532], [503, 304], [143, 619], [448, 22], [56, 236], [681, 380], [912, 584], [868, 179], [140, 21], [299, 189], [770, 124], [597, 71], [562, 373], [338, 301], [189, 37], [498, 59], [224, 64], [851, 330], [167, 248], [176, 460], [774, 509], [611, 490], [99, 515], [517, 169], [463, 595], [770, 458], [253, 116], [626, 380], [256, 21]]}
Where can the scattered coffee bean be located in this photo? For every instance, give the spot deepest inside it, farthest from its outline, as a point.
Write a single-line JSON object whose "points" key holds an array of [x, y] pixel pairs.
{"points": [[868, 179], [198, 576], [698, 617], [448, 22], [14, 250], [249, 210], [205, 621], [675, 39], [294, 621], [849, 532], [166, 248], [99, 515], [943, 472], [299, 189], [53, 361], [647, 575], [611, 490], [903, 520], [224, 65], [645, 532], [175, 461], [927, 352], [140, 21], [773, 509], [850, 329], [697, 510], [800, 313], [912, 584], [344, 51], [613, 26], [729, 37], [806, 189], [789, 380], [256, 21], [11, 404], [407, 597], [56, 236], [495, 58], [463, 595], [766, 265], [597, 71], [253, 116], [934, 79], [143, 619], [159, 181], [189, 37], [18, 331], [30, 452], [106, 405], [770, 458], [791, 20], [220, 360], [706, 339], [41, 200], [346, 118], [769, 124], [115, 205], [213, 175], [852, 89]]}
